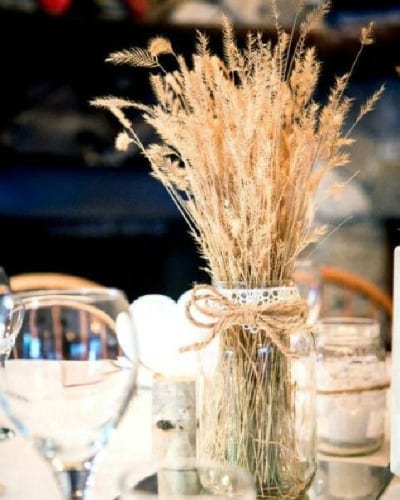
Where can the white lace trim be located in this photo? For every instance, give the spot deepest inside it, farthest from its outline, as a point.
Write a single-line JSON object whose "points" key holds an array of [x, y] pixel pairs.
{"points": [[260, 295]]}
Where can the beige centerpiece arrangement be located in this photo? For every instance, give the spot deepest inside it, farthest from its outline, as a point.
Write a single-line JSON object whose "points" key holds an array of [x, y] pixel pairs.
{"points": [[243, 149]]}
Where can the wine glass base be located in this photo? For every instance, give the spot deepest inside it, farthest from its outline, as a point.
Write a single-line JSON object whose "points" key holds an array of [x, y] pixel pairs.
{"points": [[75, 483], [6, 433]]}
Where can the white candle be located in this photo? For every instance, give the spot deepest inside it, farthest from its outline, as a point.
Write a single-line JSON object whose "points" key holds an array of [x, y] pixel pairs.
{"points": [[162, 330], [349, 424]]}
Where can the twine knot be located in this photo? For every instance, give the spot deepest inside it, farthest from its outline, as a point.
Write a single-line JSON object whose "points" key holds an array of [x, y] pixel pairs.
{"points": [[277, 319]]}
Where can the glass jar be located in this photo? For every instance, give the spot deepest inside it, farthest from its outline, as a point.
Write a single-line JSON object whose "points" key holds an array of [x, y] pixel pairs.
{"points": [[256, 400], [352, 380], [308, 280]]}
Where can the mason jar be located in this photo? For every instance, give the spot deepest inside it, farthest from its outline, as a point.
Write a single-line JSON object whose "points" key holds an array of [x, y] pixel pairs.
{"points": [[352, 382], [256, 399]]}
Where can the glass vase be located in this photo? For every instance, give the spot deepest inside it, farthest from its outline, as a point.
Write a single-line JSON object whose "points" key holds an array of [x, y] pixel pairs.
{"points": [[352, 383], [256, 401]]}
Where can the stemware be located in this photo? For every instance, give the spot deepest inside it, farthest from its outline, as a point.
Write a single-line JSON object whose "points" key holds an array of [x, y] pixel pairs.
{"points": [[70, 377], [11, 315]]}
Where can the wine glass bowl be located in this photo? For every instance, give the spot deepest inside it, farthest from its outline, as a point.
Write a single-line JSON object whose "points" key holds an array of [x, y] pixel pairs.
{"points": [[70, 376], [11, 315]]}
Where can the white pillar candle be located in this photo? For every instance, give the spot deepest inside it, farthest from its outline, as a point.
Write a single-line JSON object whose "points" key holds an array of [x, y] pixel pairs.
{"points": [[174, 417], [349, 424]]}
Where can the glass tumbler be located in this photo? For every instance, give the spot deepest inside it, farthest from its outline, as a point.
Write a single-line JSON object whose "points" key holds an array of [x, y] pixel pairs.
{"points": [[187, 478], [352, 380]]}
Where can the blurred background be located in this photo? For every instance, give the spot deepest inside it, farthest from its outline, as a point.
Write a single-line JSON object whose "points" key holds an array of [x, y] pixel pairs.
{"points": [[70, 203]]}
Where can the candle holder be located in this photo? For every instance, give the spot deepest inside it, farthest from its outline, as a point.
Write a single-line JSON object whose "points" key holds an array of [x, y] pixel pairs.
{"points": [[351, 386]]}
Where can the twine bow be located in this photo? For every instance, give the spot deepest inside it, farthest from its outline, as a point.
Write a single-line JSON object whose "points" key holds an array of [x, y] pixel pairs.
{"points": [[277, 319]]}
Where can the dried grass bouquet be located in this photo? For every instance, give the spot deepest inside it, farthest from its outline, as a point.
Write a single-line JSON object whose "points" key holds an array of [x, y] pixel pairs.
{"points": [[243, 149], [243, 146]]}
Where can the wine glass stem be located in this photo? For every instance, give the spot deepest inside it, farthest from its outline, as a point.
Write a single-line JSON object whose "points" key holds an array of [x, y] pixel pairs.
{"points": [[5, 432], [75, 483]]}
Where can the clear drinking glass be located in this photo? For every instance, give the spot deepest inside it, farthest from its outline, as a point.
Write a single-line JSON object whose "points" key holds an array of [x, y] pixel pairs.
{"points": [[70, 376], [187, 479], [348, 480]]}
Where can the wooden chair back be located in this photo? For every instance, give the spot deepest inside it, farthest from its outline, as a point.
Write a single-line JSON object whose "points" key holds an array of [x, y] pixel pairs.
{"points": [[344, 293], [48, 281], [357, 296]]}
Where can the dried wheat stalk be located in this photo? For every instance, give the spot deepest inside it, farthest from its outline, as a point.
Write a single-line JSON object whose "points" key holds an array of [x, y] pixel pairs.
{"points": [[243, 148]]}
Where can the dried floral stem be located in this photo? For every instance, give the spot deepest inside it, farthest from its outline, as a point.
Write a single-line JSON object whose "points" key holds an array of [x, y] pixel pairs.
{"points": [[242, 150], [247, 415], [242, 157]]}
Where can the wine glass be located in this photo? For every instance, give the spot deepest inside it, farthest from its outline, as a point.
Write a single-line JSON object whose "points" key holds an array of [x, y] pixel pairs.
{"points": [[70, 376], [11, 315]]}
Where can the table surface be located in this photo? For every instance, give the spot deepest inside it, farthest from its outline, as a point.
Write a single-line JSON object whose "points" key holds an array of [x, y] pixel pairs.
{"points": [[25, 475]]}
